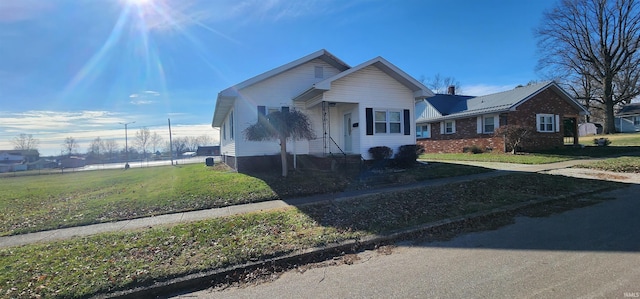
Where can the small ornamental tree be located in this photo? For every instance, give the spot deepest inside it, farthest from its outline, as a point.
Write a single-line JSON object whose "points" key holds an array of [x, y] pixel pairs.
{"points": [[513, 136], [281, 126]]}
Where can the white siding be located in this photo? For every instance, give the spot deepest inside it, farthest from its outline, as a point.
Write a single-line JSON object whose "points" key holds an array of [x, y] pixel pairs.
{"points": [[316, 146], [627, 124], [276, 91], [227, 146], [372, 88], [424, 112]]}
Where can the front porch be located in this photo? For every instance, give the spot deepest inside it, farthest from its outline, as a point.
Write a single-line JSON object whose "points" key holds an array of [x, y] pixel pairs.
{"points": [[337, 129]]}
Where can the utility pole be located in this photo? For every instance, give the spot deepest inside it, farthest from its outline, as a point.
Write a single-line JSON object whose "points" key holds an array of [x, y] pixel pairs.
{"points": [[126, 144], [170, 142]]}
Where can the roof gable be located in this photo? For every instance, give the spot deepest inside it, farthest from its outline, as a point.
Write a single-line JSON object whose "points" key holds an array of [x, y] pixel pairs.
{"points": [[320, 54], [419, 90], [226, 98]]}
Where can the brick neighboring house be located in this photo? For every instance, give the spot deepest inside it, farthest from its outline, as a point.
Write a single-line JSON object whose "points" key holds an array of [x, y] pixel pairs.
{"points": [[448, 123]]}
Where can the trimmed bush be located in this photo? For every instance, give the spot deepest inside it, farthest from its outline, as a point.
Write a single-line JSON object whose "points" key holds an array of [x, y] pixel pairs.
{"points": [[474, 149], [380, 152], [408, 154]]}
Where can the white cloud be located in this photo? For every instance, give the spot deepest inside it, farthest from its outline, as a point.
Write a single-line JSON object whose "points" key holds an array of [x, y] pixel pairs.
{"points": [[45, 121], [52, 127], [141, 102], [143, 98]]}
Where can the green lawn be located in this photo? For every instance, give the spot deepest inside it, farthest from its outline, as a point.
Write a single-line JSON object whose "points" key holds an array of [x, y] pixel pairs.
{"points": [[36, 203], [522, 158], [621, 144], [85, 266], [43, 202], [620, 139], [621, 164]]}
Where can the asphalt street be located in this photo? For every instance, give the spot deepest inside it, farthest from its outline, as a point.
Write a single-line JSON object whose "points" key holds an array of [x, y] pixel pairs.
{"points": [[591, 252]]}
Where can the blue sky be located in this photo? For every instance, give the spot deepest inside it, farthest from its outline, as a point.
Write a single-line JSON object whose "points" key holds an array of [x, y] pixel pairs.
{"points": [[80, 67]]}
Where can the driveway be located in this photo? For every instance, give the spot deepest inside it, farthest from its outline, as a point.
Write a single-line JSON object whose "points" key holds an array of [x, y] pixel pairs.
{"points": [[592, 252]]}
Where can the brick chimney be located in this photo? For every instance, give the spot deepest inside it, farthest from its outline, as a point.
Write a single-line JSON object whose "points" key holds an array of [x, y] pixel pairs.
{"points": [[451, 90]]}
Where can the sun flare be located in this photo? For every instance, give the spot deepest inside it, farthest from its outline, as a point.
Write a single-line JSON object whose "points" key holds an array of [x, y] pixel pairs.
{"points": [[139, 3]]}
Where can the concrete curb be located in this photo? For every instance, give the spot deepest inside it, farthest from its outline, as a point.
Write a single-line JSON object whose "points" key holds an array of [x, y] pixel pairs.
{"points": [[203, 280]]}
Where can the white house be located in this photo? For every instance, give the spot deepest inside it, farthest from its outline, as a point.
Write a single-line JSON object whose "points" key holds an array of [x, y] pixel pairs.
{"points": [[628, 119], [351, 108]]}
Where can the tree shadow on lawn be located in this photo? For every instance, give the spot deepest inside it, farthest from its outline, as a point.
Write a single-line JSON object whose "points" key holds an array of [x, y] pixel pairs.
{"points": [[592, 151], [550, 225], [320, 183]]}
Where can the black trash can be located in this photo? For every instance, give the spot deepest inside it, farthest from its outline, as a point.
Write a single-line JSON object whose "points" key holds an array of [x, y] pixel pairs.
{"points": [[208, 161]]}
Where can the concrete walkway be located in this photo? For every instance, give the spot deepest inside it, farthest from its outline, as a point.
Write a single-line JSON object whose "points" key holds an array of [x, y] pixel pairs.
{"points": [[560, 168]]}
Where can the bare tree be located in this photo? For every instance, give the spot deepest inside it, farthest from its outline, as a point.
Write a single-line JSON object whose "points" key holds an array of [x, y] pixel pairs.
{"points": [[191, 143], [440, 84], [95, 148], [110, 147], [513, 136], [143, 137], [180, 145], [69, 146], [155, 141], [205, 140], [598, 39], [25, 142]]}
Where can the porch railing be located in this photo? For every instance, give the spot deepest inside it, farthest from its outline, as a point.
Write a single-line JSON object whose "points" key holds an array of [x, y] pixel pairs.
{"points": [[340, 149]]}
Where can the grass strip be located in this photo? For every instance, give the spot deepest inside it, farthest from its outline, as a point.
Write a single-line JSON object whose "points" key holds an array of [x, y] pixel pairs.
{"points": [[542, 157], [621, 164], [115, 261], [498, 157]]}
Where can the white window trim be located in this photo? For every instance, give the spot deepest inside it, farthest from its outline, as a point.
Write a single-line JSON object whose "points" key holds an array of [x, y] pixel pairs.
{"points": [[388, 122], [231, 125], [421, 132], [481, 123], [636, 120], [224, 131], [443, 124], [555, 121]]}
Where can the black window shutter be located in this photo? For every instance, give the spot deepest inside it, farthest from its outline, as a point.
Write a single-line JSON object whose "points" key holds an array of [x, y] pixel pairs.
{"points": [[407, 122], [369, 119], [262, 110], [285, 109]]}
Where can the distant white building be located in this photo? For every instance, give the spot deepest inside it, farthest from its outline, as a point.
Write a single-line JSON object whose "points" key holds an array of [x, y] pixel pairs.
{"points": [[11, 162]]}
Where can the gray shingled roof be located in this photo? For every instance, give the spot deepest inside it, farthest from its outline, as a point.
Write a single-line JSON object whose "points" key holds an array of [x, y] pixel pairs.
{"points": [[630, 109], [451, 106]]}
